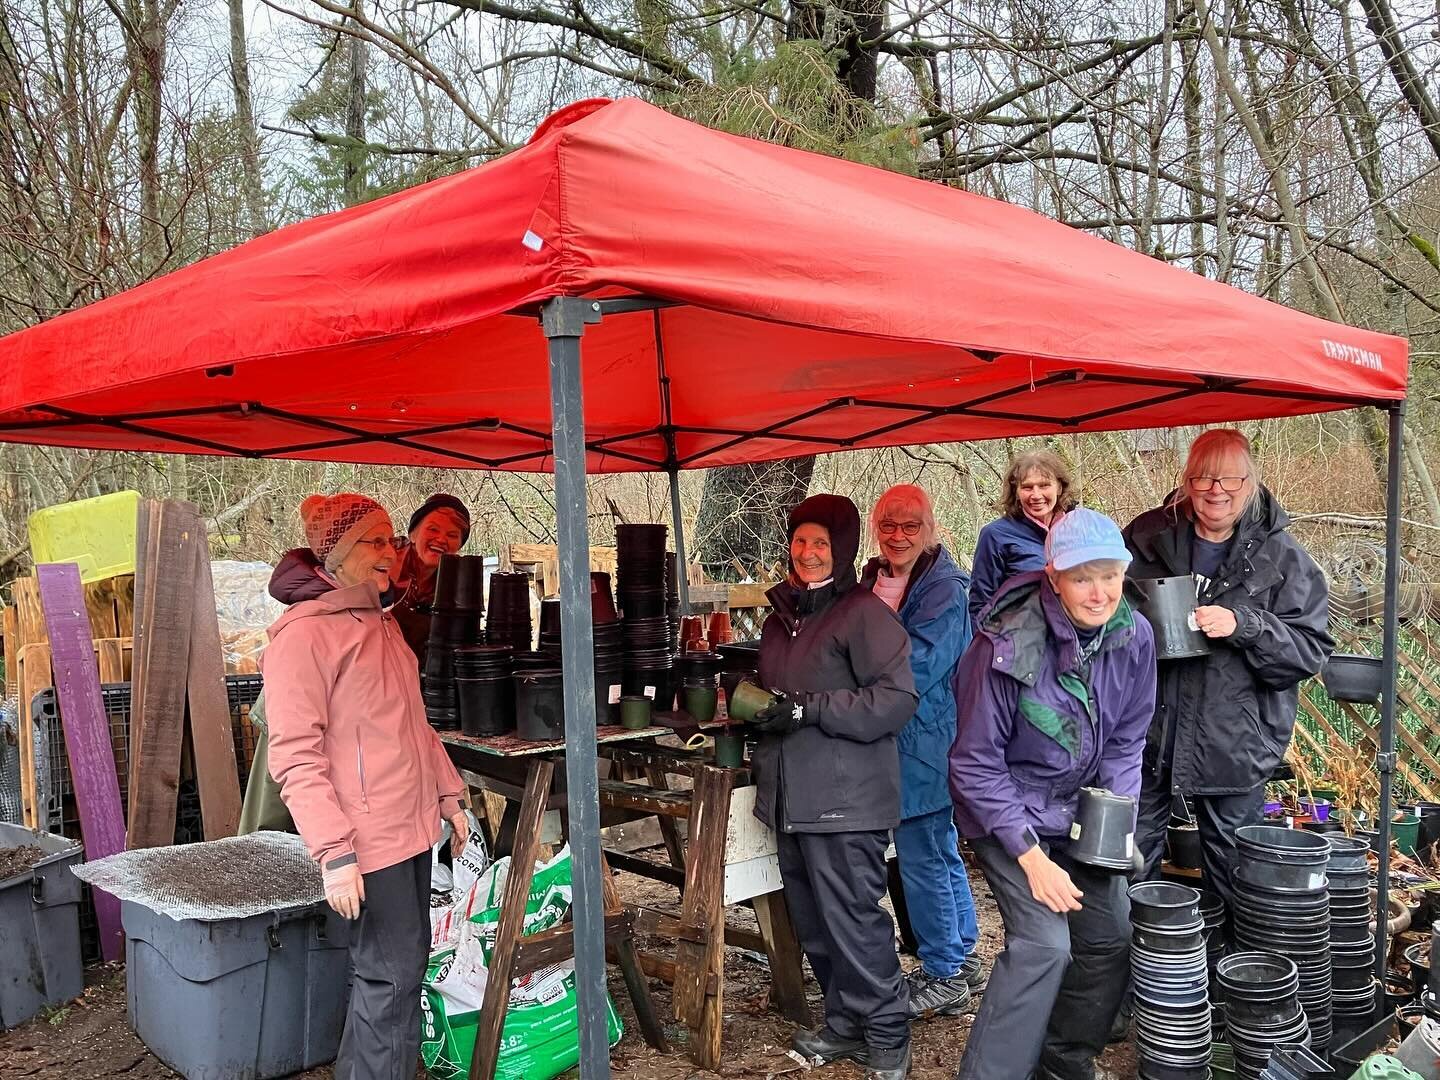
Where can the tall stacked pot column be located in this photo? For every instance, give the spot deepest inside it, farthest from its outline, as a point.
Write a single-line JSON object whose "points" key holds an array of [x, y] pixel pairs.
{"points": [[1169, 973], [1282, 906]]}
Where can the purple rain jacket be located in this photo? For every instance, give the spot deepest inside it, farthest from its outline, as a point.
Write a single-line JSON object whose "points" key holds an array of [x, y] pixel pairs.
{"points": [[1035, 724]]}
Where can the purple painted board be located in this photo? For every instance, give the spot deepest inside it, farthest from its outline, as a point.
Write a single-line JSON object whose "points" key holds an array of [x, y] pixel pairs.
{"points": [[87, 732]]}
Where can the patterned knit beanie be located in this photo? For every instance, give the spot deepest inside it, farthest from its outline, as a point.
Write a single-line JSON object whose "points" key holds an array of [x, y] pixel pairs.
{"points": [[333, 523]]}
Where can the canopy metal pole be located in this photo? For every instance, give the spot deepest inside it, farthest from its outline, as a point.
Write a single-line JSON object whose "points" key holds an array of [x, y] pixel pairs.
{"points": [[563, 320], [682, 566], [1385, 759]]}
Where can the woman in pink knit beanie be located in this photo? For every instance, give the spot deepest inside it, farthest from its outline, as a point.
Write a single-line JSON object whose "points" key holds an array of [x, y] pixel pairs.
{"points": [[363, 774]]}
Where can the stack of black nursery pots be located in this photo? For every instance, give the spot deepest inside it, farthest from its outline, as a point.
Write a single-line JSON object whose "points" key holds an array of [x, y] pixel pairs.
{"points": [[609, 658], [1213, 912], [1352, 944], [508, 622], [1169, 974], [454, 621], [647, 635], [484, 689], [1262, 1008], [1282, 905]]}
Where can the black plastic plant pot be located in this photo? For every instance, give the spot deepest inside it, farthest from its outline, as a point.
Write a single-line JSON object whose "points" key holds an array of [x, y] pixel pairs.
{"points": [[539, 705], [469, 591], [447, 578], [1258, 1015], [1183, 844], [487, 706], [1158, 941], [1103, 833], [1168, 604], [1164, 905], [1353, 677], [1257, 976]]}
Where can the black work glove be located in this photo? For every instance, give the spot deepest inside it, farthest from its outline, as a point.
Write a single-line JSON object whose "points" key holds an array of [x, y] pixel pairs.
{"points": [[782, 716]]}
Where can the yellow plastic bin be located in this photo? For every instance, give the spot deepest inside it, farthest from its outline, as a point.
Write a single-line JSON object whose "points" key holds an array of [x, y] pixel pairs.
{"points": [[98, 534]]}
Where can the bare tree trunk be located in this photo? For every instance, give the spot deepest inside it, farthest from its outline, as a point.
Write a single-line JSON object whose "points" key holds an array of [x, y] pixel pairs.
{"points": [[1382, 24], [145, 37], [1279, 182], [1190, 111], [245, 119], [355, 153]]}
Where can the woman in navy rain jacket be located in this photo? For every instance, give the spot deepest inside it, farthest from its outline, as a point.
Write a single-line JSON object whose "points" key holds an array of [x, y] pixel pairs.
{"points": [[920, 582], [1037, 494]]}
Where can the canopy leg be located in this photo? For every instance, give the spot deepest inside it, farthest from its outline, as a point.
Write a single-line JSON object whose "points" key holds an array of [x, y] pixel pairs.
{"points": [[1385, 760], [563, 320], [682, 566]]}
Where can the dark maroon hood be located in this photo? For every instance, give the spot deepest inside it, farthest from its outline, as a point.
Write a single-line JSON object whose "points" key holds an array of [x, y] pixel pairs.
{"points": [[299, 577]]}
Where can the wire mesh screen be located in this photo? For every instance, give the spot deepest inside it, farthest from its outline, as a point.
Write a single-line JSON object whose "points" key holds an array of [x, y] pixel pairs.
{"points": [[62, 815]]}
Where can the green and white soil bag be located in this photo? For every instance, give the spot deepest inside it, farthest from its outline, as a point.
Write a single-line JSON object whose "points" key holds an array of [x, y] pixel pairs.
{"points": [[540, 1038]]}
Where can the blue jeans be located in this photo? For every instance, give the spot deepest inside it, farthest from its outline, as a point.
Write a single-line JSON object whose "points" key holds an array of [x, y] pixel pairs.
{"points": [[937, 892]]}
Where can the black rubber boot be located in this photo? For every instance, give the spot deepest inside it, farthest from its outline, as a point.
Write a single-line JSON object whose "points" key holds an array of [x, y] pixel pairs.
{"points": [[827, 1046], [892, 1063]]}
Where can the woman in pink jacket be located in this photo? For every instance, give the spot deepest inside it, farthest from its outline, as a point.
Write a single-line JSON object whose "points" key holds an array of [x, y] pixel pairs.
{"points": [[364, 776]]}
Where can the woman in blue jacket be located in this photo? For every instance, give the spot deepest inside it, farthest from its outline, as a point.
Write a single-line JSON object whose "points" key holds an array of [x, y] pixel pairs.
{"points": [[1036, 496], [919, 581]]}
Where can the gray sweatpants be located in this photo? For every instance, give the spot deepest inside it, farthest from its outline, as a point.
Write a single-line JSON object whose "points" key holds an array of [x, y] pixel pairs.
{"points": [[1056, 988], [389, 948]]}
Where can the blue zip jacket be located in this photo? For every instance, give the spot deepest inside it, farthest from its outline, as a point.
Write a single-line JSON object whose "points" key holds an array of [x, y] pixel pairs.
{"points": [[1007, 546], [935, 616], [1035, 724]]}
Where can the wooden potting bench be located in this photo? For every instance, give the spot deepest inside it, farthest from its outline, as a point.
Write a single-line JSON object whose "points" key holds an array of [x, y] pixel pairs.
{"points": [[722, 857]]}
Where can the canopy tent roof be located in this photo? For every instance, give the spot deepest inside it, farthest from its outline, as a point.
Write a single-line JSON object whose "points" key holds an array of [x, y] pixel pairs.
{"points": [[805, 304]]}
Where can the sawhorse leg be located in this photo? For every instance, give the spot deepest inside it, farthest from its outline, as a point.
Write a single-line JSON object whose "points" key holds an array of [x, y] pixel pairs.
{"points": [[787, 977]]}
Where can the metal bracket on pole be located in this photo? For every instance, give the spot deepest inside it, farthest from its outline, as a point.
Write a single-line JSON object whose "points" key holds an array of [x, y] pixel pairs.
{"points": [[563, 320], [1385, 763]]}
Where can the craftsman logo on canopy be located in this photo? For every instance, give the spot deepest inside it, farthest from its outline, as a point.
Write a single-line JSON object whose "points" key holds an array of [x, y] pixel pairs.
{"points": [[1351, 354]]}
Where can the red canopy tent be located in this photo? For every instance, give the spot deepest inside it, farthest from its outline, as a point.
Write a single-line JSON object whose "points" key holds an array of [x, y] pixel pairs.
{"points": [[738, 301]]}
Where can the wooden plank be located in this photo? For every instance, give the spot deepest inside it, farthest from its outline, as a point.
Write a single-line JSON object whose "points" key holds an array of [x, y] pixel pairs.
{"points": [[87, 733], [10, 623], [29, 611], [511, 927], [146, 512], [212, 736], [619, 793], [162, 664], [750, 595], [674, 842], [704, 884], [100, 606], [782, 947], [33, 675], [110, 655]]}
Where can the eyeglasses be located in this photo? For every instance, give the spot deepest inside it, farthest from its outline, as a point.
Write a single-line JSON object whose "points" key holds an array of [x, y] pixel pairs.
{"points": [[909, 528], [380, 543], [1228, 484]]}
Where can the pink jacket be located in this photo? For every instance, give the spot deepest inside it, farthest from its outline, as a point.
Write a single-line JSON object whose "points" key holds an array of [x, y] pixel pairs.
{"points": [[363, 774]]}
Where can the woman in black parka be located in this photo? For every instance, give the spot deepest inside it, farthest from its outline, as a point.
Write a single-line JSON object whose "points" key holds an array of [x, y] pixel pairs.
{"points": [[827, 772], [1223, 721]]}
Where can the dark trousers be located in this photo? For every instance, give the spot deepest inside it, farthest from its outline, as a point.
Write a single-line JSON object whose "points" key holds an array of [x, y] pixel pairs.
{"points": [[389, 948], [833, 885], [1218, 816], [1056, 988]]}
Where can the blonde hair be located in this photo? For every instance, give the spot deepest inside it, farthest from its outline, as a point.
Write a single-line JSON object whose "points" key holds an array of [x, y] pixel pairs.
{"points": [[909, 497], [1207, 456]]}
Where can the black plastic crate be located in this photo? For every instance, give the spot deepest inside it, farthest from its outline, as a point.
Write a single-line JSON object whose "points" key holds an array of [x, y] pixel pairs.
{"points": [[62, 817]]}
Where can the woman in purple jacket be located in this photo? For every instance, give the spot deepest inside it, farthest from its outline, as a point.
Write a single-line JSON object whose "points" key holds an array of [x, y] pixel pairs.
{"points": [[1055, 694]]}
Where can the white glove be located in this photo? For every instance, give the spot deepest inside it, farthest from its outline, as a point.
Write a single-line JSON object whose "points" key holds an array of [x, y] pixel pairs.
{"points": [[345, 889]]}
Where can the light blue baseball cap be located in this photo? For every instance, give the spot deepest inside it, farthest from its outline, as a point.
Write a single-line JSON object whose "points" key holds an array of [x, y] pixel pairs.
{"points": [[1083, 536]]}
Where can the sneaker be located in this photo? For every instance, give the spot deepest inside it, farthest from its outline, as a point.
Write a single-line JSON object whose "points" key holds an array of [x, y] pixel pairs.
{"points": [[824, 1044], [975, 974], [891, 1063], [944, 997]]}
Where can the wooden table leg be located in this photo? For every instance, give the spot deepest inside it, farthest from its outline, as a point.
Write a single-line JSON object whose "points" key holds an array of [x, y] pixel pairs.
{"points": [[669, 830], [509, 826], [787, 977], [703, 911], [511, 928]]}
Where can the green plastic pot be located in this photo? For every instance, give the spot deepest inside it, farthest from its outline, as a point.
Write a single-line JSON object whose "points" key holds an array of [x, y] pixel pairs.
{"points": [[635, 711], [700, 702], [748, 700], [1405, 831], [729, 750], [1383, 1067]]}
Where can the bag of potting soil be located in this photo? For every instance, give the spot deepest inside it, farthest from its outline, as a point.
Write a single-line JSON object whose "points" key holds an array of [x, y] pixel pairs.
{"points": [[540, 1038]]}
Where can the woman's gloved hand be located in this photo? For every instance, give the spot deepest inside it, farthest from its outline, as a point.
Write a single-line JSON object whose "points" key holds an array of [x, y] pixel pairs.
{"points": [[782, 716], [345, 889], [459, 833]]}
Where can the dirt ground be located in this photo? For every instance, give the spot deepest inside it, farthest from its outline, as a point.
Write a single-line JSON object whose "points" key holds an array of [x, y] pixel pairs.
{"points": [[89, 1039]]}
